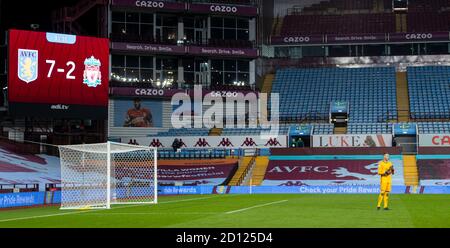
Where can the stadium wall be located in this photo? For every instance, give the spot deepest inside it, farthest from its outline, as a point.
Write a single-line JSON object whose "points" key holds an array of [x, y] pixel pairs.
{"points": [[337, 151], [30, 199], [27, 199], [347, 189]]}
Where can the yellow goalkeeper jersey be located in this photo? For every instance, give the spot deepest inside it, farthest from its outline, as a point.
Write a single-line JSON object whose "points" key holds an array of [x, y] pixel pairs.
{"points": [[383, 167]]}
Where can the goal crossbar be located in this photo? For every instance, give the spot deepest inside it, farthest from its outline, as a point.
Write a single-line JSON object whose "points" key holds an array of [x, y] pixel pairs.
{"points": [[100, 175]]}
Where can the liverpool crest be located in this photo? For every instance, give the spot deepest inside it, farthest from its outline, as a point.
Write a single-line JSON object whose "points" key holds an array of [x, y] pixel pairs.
{"points": [[92, 76], [27, 65]]}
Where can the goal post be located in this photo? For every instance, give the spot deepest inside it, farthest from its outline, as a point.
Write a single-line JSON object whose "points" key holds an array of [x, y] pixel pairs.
{"points": [[99, 175]]}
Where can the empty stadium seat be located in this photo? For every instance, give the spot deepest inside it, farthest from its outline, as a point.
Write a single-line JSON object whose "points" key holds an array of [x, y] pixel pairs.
{"points": [[433, 127], [429, 92], [184, 132], [338, 24], [369, 128], [306, 94]]}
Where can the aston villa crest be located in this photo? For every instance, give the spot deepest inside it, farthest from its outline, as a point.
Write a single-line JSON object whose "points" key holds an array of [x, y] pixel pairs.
{"points": [[92, 76], [27, 65]]}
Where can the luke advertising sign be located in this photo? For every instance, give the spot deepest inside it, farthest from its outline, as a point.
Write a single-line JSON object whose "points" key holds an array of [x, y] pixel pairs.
{"points": [[355, 140]]}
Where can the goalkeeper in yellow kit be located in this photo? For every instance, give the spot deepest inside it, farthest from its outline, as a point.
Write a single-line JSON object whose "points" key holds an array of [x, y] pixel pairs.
{"points": [[385, 170]]}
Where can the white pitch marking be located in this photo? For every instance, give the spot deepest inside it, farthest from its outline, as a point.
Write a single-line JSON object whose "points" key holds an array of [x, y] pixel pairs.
{"points": [[155, 213], [86, 211], [256, 206]]}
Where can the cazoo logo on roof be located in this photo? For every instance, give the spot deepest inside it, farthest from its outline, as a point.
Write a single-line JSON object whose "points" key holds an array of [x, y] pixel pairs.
{"points": [[223, 8], [296, 39], [150, 4]]}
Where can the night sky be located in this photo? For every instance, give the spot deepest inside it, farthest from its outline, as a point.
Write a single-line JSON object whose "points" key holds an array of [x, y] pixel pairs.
{"points": [[20, 14]]}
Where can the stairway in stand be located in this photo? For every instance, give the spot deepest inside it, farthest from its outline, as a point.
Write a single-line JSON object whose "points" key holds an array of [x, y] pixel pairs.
{"points": [[340, 130], [402, 97], [410, 171], [244, 164], [215, 131], [260, 170], [267, 84]]}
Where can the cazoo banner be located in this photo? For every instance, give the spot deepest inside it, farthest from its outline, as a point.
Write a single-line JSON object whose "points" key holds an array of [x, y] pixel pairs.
{"points": [[434, 140], [353, 140]]}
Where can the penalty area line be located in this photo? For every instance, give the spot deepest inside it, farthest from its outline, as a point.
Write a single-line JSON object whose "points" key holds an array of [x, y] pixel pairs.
{"points": [[256, 206]]}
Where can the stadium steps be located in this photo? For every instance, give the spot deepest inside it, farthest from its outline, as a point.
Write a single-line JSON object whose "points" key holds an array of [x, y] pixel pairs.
{"points": [[259, 171], [277, 25], [215, 132], [402, 97], [400, 23], [404, 23], [244, 165], [410, 172], [378, 6], [340, 130], [267, 84]]}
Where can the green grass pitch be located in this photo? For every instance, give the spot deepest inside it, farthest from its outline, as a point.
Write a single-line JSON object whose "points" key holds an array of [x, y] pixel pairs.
{"points": [[276, 210]]}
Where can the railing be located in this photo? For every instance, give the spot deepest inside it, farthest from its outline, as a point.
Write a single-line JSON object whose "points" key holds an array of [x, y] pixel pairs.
{"points": [[244, 174], [309, 117], [433, 116], [238, 2], [16, 188], [135, 38], [198, 153], [52, 186], [408, 148], [184, 86]]}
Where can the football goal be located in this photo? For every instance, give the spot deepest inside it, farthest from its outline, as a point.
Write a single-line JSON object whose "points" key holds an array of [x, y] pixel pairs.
{"points": [[99, 175]]}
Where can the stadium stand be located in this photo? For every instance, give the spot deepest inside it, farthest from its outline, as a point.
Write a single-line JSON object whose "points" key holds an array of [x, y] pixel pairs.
{"points": [[363, 17], [319, 128], [433, 127], [338, 24], [283, 129], [428, 21], [429, 93], [192, 153], [369, 128], [184, 132], [340, 5], [428, 5], [323, 128], [306, 94], [240, 2]]}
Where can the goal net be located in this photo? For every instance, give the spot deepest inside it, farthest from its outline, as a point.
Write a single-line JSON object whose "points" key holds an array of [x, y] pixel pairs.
{"points": [[98, 175]]}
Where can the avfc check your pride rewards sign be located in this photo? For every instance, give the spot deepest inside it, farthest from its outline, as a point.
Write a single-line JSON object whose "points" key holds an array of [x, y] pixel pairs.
{"points": [[57, 75]]}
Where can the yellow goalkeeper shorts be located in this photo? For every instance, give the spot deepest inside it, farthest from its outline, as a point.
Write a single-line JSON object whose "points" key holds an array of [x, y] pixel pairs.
{"points": [[386, 185]]}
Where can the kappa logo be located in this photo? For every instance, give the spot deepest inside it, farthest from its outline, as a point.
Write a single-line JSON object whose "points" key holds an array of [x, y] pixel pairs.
{"points": [[92, 75], [27, 65]]}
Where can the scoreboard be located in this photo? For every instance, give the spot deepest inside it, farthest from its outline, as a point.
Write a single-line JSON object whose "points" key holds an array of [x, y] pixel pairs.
{"points": [[57, 75]]}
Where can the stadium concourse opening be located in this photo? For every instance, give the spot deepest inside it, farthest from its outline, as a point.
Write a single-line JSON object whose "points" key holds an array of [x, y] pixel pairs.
{"points": [[211, 113]]}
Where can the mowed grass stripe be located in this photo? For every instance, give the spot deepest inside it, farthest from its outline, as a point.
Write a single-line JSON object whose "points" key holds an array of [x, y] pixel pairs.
{"points": [[94, 210], [300, 210]]}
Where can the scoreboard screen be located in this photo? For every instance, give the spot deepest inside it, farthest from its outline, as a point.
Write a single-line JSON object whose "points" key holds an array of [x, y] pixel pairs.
{"points": [[57, 75]]}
